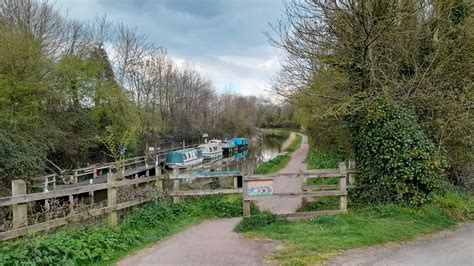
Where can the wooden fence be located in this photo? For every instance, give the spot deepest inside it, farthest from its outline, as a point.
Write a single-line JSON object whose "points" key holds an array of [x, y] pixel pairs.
{"points": [[250, 193], [19, 200]]}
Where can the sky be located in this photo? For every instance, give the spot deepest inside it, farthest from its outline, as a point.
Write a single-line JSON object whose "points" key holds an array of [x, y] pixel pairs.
{"points": [[223, 39]]}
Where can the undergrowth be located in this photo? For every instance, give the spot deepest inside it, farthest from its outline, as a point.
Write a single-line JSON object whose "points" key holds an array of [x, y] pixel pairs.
{"points": [[319, 159], [103, 243]]}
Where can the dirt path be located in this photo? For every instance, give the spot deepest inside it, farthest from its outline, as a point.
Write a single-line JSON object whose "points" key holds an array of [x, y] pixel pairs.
{"points": [[210, 243], [288, 141], [288, 184], [446, 248]]}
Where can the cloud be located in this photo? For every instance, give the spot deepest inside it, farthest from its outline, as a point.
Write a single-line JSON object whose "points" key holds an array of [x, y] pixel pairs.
{"points": [[221, 37]]}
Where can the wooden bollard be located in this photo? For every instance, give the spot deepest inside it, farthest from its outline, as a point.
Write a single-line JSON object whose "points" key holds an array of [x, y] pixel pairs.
{"points": [[111, 200], [342, 187], [20, 212]]}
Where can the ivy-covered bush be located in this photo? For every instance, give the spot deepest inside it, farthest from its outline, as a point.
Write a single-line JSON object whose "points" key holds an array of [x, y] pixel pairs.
{"points": [[398, 163]]}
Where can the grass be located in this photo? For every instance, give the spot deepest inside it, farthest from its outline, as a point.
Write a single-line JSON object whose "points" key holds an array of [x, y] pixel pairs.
{"points": [[101, 244], [322, 181], [316, 240], [274, 165], [319, 159], [295, 144]]}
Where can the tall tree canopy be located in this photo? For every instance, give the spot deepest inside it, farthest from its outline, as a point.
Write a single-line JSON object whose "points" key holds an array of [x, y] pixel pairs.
{"points": [[416, 54]]}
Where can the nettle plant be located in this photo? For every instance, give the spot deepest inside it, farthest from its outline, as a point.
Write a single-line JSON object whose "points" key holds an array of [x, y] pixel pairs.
{"points": [[398, 163]]}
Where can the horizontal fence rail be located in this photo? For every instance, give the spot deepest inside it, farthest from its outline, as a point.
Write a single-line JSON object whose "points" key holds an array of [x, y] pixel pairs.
{"points": [[266, 191]]}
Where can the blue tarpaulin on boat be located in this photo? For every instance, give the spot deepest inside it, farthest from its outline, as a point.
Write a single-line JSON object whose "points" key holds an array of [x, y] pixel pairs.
{"points": [[237, 141]]}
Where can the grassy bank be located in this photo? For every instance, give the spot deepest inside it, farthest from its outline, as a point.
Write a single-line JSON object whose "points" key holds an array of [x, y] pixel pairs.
{"points": [[318, 239], [102, 244], [279, 162], [295, 144], [274, 165]]}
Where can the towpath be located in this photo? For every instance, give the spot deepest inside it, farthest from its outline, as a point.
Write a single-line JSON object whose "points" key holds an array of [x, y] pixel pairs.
{"points": [[288, 184], [213, 242]]}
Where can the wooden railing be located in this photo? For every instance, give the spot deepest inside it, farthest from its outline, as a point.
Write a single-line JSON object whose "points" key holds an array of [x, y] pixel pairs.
{"points": [[19, 200], [251, 183]]}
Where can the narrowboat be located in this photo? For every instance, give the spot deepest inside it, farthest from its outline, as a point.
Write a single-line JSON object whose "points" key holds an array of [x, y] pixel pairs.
{"points": [[211, 150], [184, 158], [240, 142]]}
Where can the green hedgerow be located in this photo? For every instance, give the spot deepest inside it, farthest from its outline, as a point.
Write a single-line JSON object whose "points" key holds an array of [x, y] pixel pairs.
{"points": [[398, 163]]}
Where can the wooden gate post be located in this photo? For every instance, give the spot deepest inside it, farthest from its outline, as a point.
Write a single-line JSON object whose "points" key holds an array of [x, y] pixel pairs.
{"points": [[245, 201], [20, 211], [342, 187], [111, 200]]}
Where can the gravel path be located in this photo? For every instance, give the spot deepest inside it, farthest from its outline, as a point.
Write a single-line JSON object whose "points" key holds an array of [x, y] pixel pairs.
{"points": [[446, 248], [210, 243], [288, 204]]}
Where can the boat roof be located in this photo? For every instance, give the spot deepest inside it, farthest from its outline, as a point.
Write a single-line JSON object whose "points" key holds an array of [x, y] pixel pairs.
{"points": [[208, 144], [184, 150]]}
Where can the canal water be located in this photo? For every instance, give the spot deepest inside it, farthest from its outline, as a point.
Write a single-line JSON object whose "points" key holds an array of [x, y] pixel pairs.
{"points": [[260, 150]]}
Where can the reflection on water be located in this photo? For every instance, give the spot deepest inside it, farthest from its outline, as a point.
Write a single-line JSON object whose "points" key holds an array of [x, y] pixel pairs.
{"points": [[259, 151], [248, 159]]}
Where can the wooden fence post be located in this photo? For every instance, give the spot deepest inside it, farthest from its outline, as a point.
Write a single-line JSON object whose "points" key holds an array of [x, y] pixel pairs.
{"points": [[111, 200], [351, 169], [246, 202], [157, 165], [20, 211], [71, 205], [176, 199], [236, 181], [342, 187]]}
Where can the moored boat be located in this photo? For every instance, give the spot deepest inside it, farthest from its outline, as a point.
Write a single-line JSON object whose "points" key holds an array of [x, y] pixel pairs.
{"points": [[211, 150], [240, 142], [184, 158]]}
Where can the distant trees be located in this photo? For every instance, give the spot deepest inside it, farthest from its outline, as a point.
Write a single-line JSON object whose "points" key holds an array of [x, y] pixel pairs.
{"points": [[417, 54], [65, 85]]}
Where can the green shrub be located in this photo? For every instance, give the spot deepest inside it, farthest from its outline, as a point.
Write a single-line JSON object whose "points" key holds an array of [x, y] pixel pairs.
{"points": [[255, 222], [397, 161]]}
